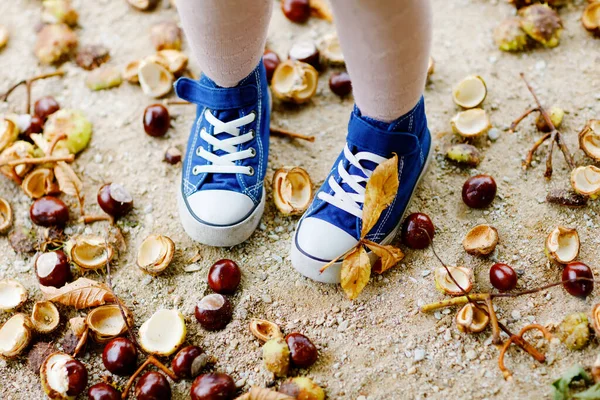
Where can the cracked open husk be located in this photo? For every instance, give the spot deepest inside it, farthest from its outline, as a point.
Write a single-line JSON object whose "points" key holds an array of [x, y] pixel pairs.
{"points": [[292, 190], [12, 294], [591, 18], [72, 123], [155, 79], [38, 182], [330, 50], [15, 335], [155, 254], [55, 43], [294, 81], [104, 77], [586, 180], [163, 333], [45, 317], [302, 387], [481, 240], [89, 252], [471, 319], [542, 24], [59, 11], [8, 132], [470, 92], [445, 284], [264, 330], [130, 71], [106, 322], [276, 356], [589, 139], [471, 123], [596, 319], [6, 215], [4, 35], [464, 153], [166, 35], [174, 60], [16, 151], [574, 331], [509, 36], [562, 244]]}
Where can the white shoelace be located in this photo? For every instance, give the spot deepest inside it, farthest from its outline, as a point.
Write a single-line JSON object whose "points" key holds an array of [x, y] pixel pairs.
{"points": [[351, 202], [225, 164]]}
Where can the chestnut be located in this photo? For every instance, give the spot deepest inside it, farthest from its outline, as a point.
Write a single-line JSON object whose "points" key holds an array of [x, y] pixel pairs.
{"points": [[120, 356], [153, 386], [36, 125], [114, 199], [52, 269], [479, 191], [216, 386], [224, 276], [173, 155], [303, 352], [103, 391], [503, 277], [156, 120], [189, 361], [307, 52], [49, 211], [577, 270], [340, 84], [296, 10], [77, 376], [417, 231], [45, 106], [271, 61], [213, 312]]}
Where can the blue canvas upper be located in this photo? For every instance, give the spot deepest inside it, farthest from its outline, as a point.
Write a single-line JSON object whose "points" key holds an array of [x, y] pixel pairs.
{"points": [[251, 95], [409, 138]]}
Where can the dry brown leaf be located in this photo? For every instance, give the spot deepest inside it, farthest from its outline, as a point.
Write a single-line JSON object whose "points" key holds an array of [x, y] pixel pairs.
{"points": [[356, 271], [83, 293], [68, 182], [390, 256], [258, 393], [380, 192]]}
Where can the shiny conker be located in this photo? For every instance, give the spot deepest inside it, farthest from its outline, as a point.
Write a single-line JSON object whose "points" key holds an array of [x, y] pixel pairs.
{"points": [[45, 106], [340, 84], [114, 199], [417, 231], [303, 352], [577, 270], [153, 386], [296, 10], [49, 211], [77, 376], [103, 391], [216, 386], [213, 312], [271, 61], [503, 277], [52, 269], [120, 356], [36, 125], [156, 120], [185, 363], [224, 276], [479, 191]]}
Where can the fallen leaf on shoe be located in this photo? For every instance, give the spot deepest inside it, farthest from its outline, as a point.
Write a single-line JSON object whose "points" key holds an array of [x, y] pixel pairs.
{"points": [[83, 293], [390, 256], [380, 192], [356, 271]]}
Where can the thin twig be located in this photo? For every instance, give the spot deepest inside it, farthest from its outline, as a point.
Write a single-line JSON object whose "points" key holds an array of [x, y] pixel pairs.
{"points": [[149, 361], [175, 102], [536, 145], [285, 132], [4, 97], [88, 219], [520, 118], [493, 321], [54, 142], [39, 160]]}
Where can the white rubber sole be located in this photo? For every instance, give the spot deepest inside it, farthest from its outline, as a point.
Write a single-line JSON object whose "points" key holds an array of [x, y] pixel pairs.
{"points": [[219, 236], [310, 267]]}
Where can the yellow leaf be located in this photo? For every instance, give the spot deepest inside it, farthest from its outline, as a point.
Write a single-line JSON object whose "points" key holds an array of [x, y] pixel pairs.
{"points": [[389, 255], [356, 270], [380, 192], [83, 293], [68, 182]]}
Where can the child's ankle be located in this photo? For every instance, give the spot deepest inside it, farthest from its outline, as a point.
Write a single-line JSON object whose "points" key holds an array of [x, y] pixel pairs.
{"points": [[414, 121]]}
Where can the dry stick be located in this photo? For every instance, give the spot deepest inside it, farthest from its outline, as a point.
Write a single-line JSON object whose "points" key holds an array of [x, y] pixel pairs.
{"points": [[494, 321], [535, 146], [28, 83], [88, 219], [40, 160], [284, 132], [518, 340], [517, 121], [54, 142], [151, 360]]}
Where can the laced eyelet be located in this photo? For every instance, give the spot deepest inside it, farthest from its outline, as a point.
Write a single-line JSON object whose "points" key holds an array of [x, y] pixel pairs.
{"points": [[250, 171], [252, 133], [198, 149], [253, 151], [195, 171]]}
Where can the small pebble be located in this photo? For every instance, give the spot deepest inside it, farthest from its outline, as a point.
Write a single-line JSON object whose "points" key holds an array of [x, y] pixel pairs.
{"points": [[494, 134], [419, 354]]}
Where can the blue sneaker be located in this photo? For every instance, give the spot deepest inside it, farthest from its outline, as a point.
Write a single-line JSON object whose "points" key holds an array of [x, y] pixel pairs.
{"points": [[222, 198], [331, 226]]}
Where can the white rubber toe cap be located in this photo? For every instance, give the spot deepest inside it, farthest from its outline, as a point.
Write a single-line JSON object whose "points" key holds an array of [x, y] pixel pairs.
{"points": [[220, 207], [321, 240]]}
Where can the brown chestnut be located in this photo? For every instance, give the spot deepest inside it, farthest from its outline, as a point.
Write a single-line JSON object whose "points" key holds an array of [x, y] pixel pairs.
{"points": [[503, 277], [153, 386], [213, 312], [479, 191], [340, 84], [296, 10], [49, 211], [271, 61], [53, 269], [156, 120], [77, 376], [114, 199], [103, 391], [36, 125], [45, 106], [578, 270], [189, 361], [303, 352], [120, 356], [173, 155], [216, 386], [307, 52], [417, 231], [224, 276]]}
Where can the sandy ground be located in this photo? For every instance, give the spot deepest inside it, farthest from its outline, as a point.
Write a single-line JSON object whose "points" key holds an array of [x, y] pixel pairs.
{"points": [[370, 348]]}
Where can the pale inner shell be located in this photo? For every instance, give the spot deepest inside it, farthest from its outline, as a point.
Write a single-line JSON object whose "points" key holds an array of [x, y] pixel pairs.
{"points": [[565, 244], [472, 122], [163, 332], [290, 79], [11, 294], [152, 251], [445, 280], [591, 140], [46, 263], [107, 321], [470, 92], [12, 333], [90, 251], [155, 79], [587, 179], [300, 189]]}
